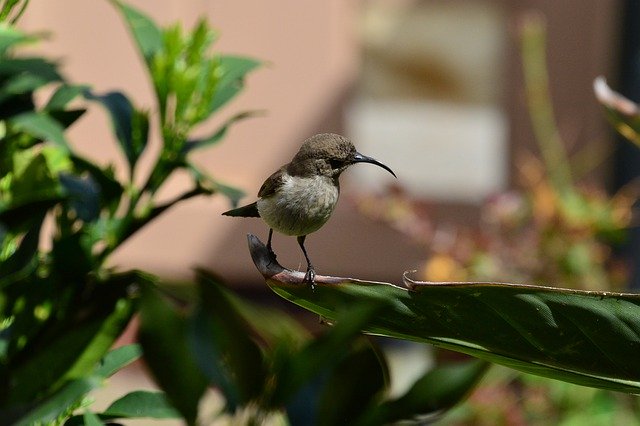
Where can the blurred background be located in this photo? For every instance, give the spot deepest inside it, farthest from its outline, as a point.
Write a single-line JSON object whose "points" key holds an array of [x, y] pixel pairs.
{"points": [[434, 89]]}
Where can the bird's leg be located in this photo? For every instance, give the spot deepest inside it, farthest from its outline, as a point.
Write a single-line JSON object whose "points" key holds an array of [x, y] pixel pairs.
{"points": [[272, 255], [310, 276]]}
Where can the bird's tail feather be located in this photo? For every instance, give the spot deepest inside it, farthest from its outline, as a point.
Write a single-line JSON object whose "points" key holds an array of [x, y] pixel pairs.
{"points": [[250, 210]]}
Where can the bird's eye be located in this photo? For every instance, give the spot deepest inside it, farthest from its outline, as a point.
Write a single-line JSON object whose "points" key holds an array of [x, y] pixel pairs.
{"points": [[335, 164]]}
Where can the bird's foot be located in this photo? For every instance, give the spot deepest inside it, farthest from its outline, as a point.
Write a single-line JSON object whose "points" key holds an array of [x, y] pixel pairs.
{"points": [[310, 277], [272, 255]]}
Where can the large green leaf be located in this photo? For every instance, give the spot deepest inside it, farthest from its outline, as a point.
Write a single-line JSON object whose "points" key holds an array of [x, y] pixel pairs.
{"points": [[588, 338]]}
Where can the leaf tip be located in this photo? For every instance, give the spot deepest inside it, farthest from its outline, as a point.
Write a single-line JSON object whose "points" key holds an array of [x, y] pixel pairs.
{"points": [[612, 99]]}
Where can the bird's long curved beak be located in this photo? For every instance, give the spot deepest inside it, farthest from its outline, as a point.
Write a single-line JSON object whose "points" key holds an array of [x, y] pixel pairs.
{"points": [[359, 158]]}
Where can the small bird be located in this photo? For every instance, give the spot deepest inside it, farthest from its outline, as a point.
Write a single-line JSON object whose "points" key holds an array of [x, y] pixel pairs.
{"points": [[299, 198]]}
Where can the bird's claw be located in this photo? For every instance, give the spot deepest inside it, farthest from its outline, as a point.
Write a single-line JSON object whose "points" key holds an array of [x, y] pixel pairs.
{"points": [[272, 255], [310, 277]]}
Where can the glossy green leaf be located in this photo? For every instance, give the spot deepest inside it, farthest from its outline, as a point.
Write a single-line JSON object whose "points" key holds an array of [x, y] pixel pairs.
{"points": [[142, 404], [588, 338], [436, 391], [234, 69], [163, 336], [146, 34]]}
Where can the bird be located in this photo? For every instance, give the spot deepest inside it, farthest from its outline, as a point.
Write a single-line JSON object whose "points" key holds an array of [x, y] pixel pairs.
{"points": [[300, 196]]}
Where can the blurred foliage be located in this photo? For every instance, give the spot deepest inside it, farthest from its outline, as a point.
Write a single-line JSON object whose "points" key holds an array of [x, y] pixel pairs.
{"points": [[61, 306], [551, 230], [268, 369], [12, 10]]}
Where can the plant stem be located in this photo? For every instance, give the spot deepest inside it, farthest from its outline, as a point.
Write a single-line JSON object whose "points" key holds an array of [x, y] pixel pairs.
{"points": [[533, 41]]}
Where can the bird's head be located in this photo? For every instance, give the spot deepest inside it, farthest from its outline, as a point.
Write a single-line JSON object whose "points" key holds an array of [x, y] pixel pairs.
{"points": [[328, 154]]}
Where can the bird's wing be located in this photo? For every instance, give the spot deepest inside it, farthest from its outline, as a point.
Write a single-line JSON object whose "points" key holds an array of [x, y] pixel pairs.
{"points": [[250, 210], [272, 183]]}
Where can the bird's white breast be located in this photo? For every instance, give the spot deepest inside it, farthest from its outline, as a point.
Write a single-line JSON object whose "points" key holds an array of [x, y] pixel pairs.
{"points": [[301, 205]]}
